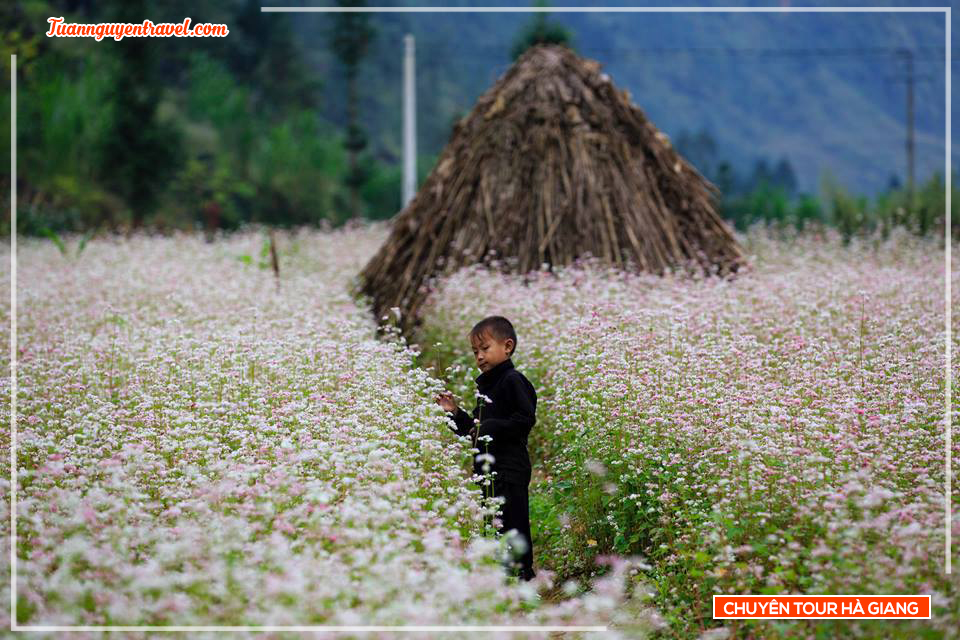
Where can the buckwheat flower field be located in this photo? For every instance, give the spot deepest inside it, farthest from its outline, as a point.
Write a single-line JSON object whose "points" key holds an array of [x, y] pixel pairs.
{"points": [[783, 432], [197, 446]]}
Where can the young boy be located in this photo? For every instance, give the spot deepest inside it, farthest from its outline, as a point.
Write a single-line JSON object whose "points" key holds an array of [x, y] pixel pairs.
{"points": [[507, 418]]}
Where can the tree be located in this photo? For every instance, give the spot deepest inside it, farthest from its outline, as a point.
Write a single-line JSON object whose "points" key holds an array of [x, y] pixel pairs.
{"points": [[350, 39], [784, 176], [540, 31], [264, 51], [726, 179], [761, 174], [142, 152]]}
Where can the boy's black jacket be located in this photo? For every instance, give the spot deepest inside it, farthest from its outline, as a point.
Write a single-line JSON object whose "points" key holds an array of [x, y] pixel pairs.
{"points": [[507, 418]]}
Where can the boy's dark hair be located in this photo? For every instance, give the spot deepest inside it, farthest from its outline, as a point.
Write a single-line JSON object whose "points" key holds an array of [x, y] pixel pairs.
{"points": [[497, 326]]}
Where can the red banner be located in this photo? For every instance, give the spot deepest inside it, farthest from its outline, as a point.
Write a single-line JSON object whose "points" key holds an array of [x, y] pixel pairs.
{"points": [[868, 607]]}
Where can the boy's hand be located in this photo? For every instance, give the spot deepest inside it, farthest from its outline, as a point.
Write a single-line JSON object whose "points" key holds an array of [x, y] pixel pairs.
{"points": [[446, 401]]}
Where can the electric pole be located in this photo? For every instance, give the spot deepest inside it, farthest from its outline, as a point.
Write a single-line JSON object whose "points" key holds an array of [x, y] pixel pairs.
{"points": [[910, 78], [409, 122]]}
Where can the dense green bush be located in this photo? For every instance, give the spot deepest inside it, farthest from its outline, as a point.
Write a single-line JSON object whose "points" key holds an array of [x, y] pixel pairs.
{"points": [[850, 214]]}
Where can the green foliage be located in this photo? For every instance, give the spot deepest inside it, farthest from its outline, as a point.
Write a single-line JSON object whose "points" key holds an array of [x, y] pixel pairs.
{"points": [[850, 214], [25, 610], [215, 97], [248, 166], [540, 31], [66, 204], [772, 205], [921, 213], [846, 212], [350, 38], [60, 147], [807, 209], [264, 51], [55, 239], [207, 192], [382, 191], [83, 242], [296, 167], [926, 207], [143, 151], [211, 136], [70, 140], [351, 35]]}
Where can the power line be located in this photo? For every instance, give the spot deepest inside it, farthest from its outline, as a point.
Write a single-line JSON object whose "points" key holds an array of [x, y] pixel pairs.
{"points": [[785, 52], [931, 53]]}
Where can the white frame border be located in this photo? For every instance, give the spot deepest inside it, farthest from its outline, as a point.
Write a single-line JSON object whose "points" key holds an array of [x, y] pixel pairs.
{"points": [[13, 299]]}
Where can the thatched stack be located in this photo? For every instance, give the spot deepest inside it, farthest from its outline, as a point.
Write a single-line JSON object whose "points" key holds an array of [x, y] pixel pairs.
{"points": [[552, 163]]}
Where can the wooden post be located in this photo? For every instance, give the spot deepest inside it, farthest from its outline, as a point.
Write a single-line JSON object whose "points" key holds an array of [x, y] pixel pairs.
{"points": [[273, 258]]}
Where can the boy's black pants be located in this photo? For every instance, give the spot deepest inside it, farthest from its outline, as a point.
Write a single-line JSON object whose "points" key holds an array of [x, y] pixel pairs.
{"points": [[516, 515]]}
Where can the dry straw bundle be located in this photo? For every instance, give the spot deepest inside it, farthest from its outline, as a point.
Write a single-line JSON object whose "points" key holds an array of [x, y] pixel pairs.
{"points": [[553, 163]]}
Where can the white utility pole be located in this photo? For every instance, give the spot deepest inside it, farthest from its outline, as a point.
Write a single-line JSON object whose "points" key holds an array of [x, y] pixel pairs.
{"points": [[409, 123]]}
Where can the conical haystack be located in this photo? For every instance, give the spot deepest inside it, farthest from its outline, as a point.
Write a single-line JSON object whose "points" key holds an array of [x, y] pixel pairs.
{"points": [[552, 163]]}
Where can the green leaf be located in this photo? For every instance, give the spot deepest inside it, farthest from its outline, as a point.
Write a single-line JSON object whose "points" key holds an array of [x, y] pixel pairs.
{"points": [[87, 601], [83, 242], [24, 610], [50, 233], [620, 542]]}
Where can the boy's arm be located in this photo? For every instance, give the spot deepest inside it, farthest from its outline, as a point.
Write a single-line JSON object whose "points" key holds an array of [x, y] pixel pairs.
{"points": [[517, 426], [463, 420]]}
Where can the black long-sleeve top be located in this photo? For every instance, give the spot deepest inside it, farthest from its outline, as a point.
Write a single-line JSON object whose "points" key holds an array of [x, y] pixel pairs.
{"points": [[507, 418]]}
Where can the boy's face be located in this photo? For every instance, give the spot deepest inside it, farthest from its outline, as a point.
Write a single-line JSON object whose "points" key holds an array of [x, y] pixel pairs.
{"points": [[490, 350]]}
